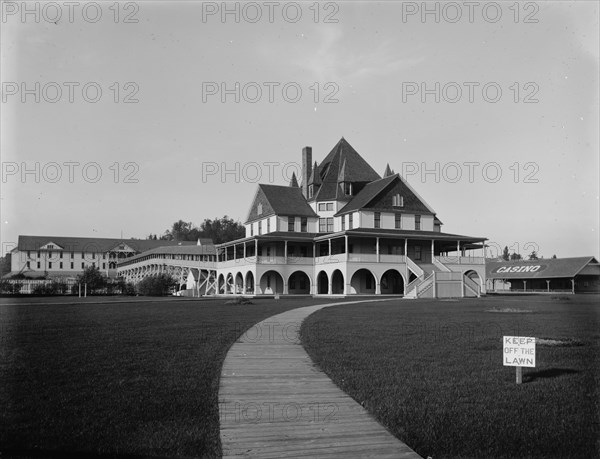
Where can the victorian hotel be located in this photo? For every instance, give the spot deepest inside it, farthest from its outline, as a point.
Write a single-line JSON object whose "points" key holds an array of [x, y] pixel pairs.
{"points": [[346, 230]]}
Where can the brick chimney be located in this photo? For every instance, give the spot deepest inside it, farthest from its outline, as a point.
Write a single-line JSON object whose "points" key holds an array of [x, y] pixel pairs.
{"points": [[306, 169]]}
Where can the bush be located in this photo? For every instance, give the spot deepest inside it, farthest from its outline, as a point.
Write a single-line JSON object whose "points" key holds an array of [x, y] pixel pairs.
{"points": [[157, 285], [10, 288], [53, 288]]}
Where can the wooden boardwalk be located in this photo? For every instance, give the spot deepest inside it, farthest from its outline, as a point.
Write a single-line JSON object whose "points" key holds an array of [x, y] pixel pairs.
{"points": [[274, 402]]}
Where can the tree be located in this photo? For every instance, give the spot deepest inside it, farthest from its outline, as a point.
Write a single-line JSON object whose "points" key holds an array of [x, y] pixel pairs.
{"points": [[222, 230], [515, 257], [94, 279], [554, 256], [505, 254], [533, 255], [157, 285], [5, 262]]}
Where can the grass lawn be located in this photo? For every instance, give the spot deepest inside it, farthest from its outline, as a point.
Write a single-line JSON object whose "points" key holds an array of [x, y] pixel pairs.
{"points": [[432, 373], [138, 378]]}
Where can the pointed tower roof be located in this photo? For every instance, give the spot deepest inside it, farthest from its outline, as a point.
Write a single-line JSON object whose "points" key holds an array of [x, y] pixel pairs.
{"points": [[388, 171], [315, 177], [342, 160], [294, 181]]}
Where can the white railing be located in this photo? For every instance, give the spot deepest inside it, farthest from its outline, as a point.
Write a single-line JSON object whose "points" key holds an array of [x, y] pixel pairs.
{"points": [[461, 260], [441, 266], [386, 258], [363, 257], [415, 268], [472, 285], [425, 285], [337, 258]]}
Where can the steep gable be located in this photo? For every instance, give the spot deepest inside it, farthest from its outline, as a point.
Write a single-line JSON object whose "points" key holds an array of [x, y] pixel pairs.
{"points": [[279, 200], [378, 195]]}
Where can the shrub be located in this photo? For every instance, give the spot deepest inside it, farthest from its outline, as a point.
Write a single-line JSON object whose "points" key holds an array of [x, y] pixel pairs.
{"points": [[157, 285]]}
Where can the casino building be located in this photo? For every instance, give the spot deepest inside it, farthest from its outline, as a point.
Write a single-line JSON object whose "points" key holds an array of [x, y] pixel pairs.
{"points": [[571, 275]]}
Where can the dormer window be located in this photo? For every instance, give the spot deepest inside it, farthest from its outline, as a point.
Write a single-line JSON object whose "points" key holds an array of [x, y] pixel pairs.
{"points": [[347, 187], [259, 209], [397, 200], [310, 191]]}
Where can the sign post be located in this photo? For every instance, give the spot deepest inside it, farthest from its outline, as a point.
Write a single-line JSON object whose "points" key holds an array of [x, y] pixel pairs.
{"points": [[519, 352]]}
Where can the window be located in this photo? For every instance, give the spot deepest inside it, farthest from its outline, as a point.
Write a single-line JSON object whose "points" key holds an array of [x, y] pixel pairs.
{"points": [[259, 209], [50, 246], [330, 225], [103, 265], [61, 265], [322, 206], [291, 223], [268, 225], [61, 254], [398, 221], [377, 220], [350, 221], [397, 200], [103, 256], [310, 191], [72, 255], [29, 254], [72, 265], [259, 228], [347, 188], [38, 265], [93, 255], [50, 254], [38, 254], [322, 225], [251, 229], [417, 222], [82, 265], [49, 265], [304, 224], [330, 206], [417, 252], [343, 223], [28, 264]]}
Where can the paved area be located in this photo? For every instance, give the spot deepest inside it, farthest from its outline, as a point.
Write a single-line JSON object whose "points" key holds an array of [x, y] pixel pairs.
{"points": [[274, 402]]}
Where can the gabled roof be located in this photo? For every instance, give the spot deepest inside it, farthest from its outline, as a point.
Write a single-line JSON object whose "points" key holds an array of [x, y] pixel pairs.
{"points": [[92, 244], [343, 158], [294, 180], [374, 189], [174, 250], [279, 200], [387, 171], [543, 268]]}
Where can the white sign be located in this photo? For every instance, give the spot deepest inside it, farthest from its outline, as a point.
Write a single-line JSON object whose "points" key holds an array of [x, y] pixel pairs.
{"points": [[518, 351]]}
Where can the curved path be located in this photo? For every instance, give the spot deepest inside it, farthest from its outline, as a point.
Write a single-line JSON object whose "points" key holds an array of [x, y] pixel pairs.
{"points": [[274, 402]]}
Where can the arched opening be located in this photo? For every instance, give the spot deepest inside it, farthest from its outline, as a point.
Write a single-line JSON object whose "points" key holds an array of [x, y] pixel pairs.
{"points": [[249, 283], [299, 283], [239, 283], [363, 281], [411, 277], [392, 283], [221, 284], [337, 282], [229, 283], [322, 283], [271, 282]]}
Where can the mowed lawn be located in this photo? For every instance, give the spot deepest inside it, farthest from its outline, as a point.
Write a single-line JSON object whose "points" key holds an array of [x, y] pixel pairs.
{"points": [[432, 373], [137, 378]]}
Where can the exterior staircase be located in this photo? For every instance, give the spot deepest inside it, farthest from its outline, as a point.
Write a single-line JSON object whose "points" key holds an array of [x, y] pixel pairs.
{"points": [[432, 277]]}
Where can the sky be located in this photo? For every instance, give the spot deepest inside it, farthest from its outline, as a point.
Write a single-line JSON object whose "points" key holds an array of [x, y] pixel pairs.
{"points": [[120, 119]]}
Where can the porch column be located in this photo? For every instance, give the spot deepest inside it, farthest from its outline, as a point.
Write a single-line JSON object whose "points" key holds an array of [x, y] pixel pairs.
{"points": [[377, 251], [377, 287], [524, 285], [548, 285], [285, 287], [329, 241], [329, 285], [346, 245], [405, 247], [573, 286], [458, 249], [285, 251], [256, 249], [244, 254], [432, 250]]}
